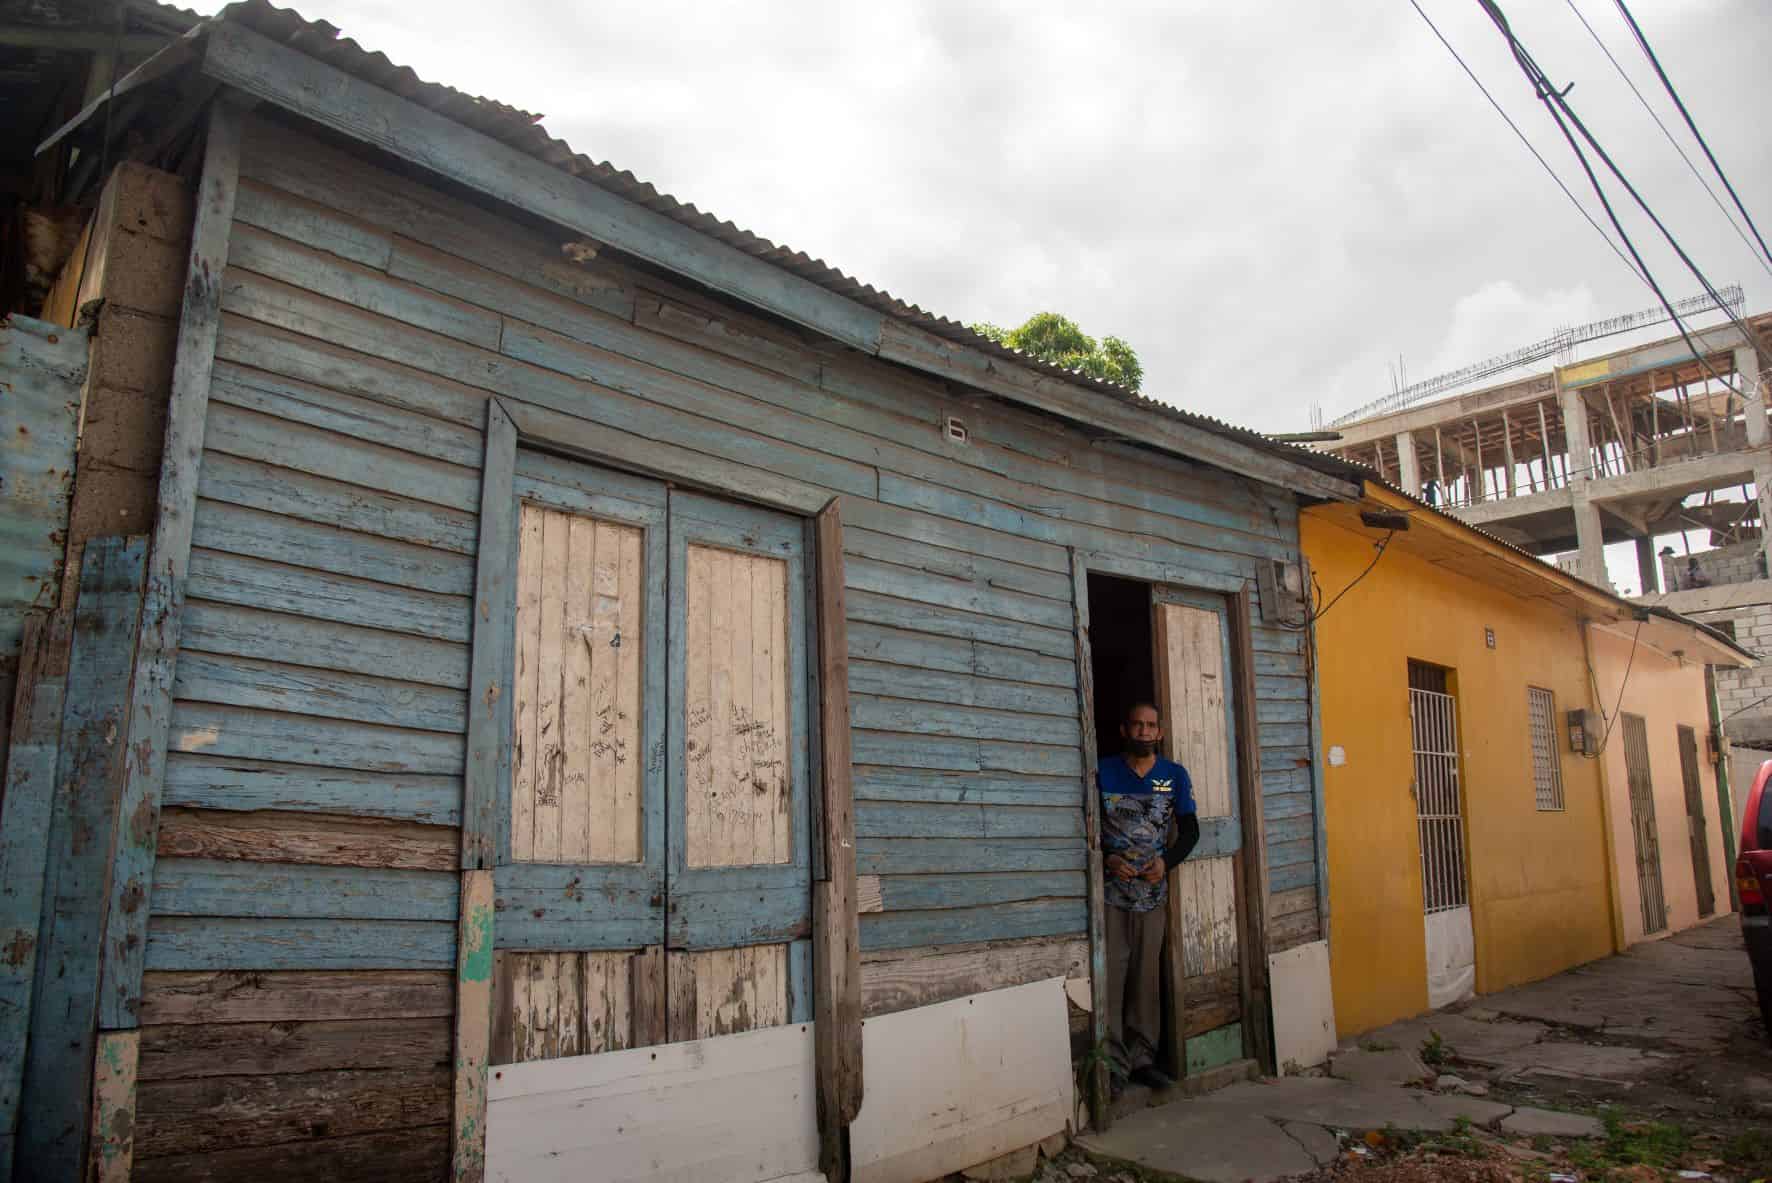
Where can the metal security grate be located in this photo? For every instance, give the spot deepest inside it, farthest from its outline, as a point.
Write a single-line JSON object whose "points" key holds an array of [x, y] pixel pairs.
{"points": [[1438, 813], [1547, 770]]}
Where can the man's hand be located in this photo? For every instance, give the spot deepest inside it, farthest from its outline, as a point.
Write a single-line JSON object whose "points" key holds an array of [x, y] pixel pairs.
{"points": [[1155, 872], [1119, 868]]}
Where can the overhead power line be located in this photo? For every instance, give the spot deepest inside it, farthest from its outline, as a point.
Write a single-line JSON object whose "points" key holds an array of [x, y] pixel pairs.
{"points": [[1649, 53], [1557, 104], [1765, 262], [1536, 155]]}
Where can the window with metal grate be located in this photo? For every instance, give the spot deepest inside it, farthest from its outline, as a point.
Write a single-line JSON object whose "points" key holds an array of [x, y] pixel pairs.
{"points": [[1547, 770]]}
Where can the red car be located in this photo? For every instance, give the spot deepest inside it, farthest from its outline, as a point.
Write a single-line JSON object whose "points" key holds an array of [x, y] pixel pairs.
{"points": [[1753, 878]]}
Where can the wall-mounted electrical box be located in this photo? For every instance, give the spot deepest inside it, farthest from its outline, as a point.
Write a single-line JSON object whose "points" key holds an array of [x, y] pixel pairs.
{"points": [[1584, 732], [1279, 586]]}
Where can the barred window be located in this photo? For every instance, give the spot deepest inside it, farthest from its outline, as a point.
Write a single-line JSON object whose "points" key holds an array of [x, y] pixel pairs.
{"points": [[1547, 770]]}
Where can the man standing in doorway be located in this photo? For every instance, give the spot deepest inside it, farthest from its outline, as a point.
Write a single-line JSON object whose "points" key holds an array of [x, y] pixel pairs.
{"points": [[1148, 826]]}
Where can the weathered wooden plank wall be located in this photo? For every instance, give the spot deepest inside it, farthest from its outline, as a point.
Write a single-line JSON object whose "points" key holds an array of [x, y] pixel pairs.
{"points": [[321, 696]]}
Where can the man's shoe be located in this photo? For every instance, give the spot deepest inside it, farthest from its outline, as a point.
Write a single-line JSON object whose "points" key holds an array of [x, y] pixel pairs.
{"points": [[1153, 1078]]}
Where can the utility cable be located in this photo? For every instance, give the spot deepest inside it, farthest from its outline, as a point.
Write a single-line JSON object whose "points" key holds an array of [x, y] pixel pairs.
{"points": [[1557, 104], [1317, 614], [1649, 53], [1536, 155], [1594, 681], [1765, 263]]}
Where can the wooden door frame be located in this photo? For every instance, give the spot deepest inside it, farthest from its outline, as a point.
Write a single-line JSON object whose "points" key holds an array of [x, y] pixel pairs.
{"points": [[836, 974], [1251, 861]]}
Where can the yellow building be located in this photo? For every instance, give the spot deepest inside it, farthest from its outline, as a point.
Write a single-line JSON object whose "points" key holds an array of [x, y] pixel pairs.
{"points": [[1470, 848]]}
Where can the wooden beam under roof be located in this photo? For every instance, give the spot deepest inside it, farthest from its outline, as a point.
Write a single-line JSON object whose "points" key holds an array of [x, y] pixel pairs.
{"points": [[79, 39]]}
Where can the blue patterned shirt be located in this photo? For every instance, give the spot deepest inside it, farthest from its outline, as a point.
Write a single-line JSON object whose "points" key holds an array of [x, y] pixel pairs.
{"points": [[1135, 816]]}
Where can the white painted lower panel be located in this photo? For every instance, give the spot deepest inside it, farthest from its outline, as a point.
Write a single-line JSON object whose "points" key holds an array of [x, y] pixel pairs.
{"points": [[1451, 957], [952, 1085], [1303, 1005], [734, 1109]]}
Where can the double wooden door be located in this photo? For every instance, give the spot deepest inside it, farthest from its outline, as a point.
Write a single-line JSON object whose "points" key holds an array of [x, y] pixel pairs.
{"points": [[653, 883]]}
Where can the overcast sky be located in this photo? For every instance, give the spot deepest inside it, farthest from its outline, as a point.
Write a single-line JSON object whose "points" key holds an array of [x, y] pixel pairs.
{"points": [[1272, 201]]}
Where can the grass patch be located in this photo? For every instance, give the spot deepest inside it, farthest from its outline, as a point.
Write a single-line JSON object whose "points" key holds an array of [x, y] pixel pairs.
{"points": [[1376, 1045], [1435, 1052], [1656, 1144]]}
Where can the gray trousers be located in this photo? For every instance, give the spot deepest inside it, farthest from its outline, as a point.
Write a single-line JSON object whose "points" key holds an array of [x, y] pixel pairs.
{"points": [[1134, 987]]}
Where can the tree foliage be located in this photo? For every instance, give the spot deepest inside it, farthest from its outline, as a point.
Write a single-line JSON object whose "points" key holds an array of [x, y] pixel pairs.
{"points": [[1057, 339]]}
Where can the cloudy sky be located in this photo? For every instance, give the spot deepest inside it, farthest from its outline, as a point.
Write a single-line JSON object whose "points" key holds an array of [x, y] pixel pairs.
{"points": [[1273, 201]]}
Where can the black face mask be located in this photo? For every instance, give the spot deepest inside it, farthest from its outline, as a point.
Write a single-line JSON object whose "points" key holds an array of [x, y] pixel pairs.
{"points": [[1141, 747]]}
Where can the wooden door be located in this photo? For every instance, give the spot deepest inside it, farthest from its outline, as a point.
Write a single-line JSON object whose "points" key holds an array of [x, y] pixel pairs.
{"points": [[581, 879], [1193, 680], [654, 877], [1642, 823], [740, 887], [1698, 827]]}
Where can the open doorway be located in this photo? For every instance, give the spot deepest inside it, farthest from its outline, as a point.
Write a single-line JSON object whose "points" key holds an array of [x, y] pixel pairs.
{"points": [[1120, 638], [1172, 646]]}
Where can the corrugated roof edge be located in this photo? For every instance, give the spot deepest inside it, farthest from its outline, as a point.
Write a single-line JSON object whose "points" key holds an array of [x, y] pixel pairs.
{"points": [[523, 131], [1556, 574]]}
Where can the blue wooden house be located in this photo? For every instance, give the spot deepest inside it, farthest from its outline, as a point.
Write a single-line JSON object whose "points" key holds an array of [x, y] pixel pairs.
{"points": [[600, 695]]}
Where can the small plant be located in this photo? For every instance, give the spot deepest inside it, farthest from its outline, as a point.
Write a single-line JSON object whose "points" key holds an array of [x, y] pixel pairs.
{"points": [[1655, 1144], [1752, 1151], [1435, 1052], [1376, 1045]]}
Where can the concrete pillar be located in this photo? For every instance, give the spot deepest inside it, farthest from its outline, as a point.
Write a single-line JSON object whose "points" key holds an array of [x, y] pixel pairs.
{"points": [[1648, 566], [1763, 493], [1747, 371], [1408, 463], [1591, 541], [1753, 387], [1581, 457], [1588, 534]]}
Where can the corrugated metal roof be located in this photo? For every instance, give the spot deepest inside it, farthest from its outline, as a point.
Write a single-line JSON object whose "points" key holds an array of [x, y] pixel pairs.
{"points": [[523, 131]]}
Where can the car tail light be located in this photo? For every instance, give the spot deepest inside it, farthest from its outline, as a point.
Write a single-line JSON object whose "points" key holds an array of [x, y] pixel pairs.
{"points": [[1753, 898]]}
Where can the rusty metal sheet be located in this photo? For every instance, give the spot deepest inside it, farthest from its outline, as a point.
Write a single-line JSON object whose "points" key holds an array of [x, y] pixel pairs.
{"points": [[42, 368]]}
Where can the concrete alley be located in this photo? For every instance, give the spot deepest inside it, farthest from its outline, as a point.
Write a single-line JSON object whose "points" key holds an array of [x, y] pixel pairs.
{"points": [[1635, 1066]]}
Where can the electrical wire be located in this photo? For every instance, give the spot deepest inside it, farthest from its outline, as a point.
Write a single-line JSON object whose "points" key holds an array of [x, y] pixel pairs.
{"points": [[1317, 614], [1594, 681], [1536, 155], [1765, 263], [1557, 104], [1673, 94]]}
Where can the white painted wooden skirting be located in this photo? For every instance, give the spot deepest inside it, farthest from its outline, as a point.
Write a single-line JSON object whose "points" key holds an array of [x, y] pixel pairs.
{"points": [[1303, 1005], [959, 1083], [736, 1109]]}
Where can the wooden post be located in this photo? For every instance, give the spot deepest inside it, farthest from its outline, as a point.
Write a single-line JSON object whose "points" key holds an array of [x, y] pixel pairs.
{"points": [[24, 846], [1100, 1110], [836, 936], [486, 782], [1618, 431], [1477, 431], [1252, 884], [473, 1023], [55, 1116], [155, 644], [1507, 448], [1544, 445], [113, 1107], [1654, 427]]}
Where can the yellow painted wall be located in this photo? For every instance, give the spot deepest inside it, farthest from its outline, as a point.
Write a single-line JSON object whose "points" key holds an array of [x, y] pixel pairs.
{"points": [[1538, 880], [1665, 694]]}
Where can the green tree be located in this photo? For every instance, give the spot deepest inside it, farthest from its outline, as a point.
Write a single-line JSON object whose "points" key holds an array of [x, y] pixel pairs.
{"points": [[1057, 339]]}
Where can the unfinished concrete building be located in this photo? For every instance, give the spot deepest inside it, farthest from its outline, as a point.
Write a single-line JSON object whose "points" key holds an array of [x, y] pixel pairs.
{"points": [[1648, 442]]}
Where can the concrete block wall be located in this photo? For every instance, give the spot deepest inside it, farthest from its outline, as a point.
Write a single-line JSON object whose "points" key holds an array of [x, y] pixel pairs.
{"points": [[1740, 690], [1737, 563], [132, 257]]}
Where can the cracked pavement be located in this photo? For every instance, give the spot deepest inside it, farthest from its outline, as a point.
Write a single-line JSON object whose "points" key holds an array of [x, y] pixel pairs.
{"points": [[1667, 1030]]}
